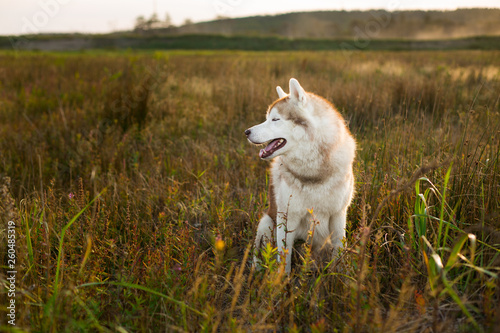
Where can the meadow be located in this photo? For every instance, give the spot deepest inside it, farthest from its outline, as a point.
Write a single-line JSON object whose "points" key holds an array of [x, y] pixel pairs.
{"points": [[136, 195]]}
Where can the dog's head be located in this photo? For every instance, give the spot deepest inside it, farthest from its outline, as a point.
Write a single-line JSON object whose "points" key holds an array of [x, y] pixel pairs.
{"points": [[286, 122]]}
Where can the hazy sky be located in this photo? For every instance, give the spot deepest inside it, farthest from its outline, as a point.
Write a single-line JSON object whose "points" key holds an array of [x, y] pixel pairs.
{"points": [[33, 16]]}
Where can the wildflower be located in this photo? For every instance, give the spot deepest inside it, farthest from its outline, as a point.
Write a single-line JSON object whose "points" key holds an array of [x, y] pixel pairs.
{"points": [[219, 243], [71, 196], [177, 268]]}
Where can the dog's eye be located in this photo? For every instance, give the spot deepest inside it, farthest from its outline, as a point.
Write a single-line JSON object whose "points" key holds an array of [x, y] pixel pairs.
{"points": [[275, 119]]}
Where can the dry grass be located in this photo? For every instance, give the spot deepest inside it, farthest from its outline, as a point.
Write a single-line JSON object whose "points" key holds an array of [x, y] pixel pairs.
{"points": [[162, 135]]}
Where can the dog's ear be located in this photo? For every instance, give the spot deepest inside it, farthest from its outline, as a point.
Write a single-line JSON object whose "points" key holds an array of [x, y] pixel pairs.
{"points": [[297, 92], [280, 91]]}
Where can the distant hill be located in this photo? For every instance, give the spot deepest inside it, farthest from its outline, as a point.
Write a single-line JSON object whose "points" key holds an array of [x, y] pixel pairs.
{"points": [[327, 30], [375, 24]]}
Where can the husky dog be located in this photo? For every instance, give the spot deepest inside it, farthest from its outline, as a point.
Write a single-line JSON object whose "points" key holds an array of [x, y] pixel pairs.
{"points": [[311, 174]]}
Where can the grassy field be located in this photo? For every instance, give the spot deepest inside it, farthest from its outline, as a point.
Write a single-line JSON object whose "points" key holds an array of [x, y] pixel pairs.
{"points": [[136, 195]]}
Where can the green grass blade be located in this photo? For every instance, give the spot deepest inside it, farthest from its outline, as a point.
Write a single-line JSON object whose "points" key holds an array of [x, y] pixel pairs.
{"points": [[61, 242], [454, 252], [441, 213]]}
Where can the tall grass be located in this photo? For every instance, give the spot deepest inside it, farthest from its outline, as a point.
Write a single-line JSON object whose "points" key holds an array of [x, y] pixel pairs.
{"points": [[166, 246]]}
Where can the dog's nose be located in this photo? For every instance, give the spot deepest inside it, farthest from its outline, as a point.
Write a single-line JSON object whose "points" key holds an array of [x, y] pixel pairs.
{"points": [[247, 132]]}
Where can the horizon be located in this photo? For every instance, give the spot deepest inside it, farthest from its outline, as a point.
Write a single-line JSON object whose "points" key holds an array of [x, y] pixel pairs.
{"points": [[93, 17]]}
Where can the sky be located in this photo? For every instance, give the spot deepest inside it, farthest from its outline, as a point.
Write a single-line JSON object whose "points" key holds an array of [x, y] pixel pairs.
{"points": [[101, 16]]}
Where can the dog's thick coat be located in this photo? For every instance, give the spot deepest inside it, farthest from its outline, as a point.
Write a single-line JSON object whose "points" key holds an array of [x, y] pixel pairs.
{"points": [[313, 153]]}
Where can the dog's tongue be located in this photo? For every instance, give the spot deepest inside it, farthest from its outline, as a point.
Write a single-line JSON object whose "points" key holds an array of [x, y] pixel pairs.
{"points": [[269, 148]]}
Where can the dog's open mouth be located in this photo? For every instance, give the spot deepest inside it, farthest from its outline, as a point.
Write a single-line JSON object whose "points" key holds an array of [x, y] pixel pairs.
{"points": [[272, 147]]}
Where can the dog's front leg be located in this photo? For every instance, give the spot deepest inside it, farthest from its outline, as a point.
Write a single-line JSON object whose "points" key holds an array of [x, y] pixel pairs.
{"points": [[337, 231], [265, 230], [284, 239]]}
